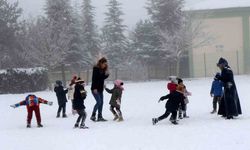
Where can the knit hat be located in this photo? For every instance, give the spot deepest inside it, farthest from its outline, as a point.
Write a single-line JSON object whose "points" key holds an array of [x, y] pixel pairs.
{"points": [[79, 80], [58, 82], [222, 61], [119, 83], [179, 80], [173, 79]]}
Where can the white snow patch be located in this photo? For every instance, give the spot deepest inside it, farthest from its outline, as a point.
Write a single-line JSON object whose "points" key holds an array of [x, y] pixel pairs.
{"points": [[202, 131]]}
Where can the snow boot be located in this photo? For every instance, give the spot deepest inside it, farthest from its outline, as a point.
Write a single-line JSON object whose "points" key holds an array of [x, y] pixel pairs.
{"points": [[212, 112], [64, 116], [229, 117], [28, 126], [120, 119], [101, 119], [154, 121], [76, 125], [39, 125], [93, 118], [174, 122], [185, 115], [115, 118], [58, 115], [83, 126]]}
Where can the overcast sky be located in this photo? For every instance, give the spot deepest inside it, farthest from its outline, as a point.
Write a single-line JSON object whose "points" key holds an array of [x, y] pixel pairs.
{"points": [[134, 10]]}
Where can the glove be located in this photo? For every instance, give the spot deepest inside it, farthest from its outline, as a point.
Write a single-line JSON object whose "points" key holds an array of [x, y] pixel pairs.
{"points": [[13, 106], [50, 103]]}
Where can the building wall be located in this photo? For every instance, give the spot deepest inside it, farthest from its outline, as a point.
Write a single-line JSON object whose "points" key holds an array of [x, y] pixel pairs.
{"points": [[227, 41]]}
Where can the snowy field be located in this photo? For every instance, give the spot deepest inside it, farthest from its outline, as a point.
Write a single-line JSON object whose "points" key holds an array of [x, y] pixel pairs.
{"points": [[202, 131]]}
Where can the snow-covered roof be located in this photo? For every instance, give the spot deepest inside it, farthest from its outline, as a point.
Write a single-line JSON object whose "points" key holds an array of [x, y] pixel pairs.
{"points": [[215, 4]]}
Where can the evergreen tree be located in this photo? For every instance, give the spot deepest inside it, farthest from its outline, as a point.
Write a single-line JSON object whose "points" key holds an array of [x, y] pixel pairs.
{"points": [[9, 30], [114, 41], [90, 37]]}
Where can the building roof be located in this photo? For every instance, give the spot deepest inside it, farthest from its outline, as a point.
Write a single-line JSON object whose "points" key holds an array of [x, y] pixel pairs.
{"points": [[215, 4]]}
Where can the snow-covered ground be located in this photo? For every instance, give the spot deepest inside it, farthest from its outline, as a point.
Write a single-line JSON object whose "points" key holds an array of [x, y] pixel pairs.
{"points": [[202, 131]]}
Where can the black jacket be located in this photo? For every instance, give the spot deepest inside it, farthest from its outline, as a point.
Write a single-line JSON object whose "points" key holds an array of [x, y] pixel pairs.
{"points": [[175, 99], [230, 103], [98, 78], [61, 94], [79, 97]]}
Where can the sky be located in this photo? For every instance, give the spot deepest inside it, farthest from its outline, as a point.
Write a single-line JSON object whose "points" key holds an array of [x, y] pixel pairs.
{"points": [[134, 10]]}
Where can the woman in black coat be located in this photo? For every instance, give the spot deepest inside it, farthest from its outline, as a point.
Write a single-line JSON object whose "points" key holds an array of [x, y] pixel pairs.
{"points": [[100, 73], [230, 103], [61, 98]]}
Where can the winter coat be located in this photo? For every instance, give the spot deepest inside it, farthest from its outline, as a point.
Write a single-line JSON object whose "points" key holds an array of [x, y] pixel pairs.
{"points": [[31, 101], [216, 88], [171, 87], [98, 78], [175, 99], [71, 92], [79, 97], [116, 96], [230, 103], [61, 95]]}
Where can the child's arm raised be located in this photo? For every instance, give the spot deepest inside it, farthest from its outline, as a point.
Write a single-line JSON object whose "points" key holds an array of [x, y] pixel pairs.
{"points": [[109, 91], [18, 104], [164, 97], [43, 101]]}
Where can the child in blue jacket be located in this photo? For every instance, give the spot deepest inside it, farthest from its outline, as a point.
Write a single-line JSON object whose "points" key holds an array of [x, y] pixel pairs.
{"points": [[216, 92]]}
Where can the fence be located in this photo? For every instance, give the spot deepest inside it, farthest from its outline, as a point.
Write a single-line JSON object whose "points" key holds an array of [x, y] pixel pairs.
{"points": [[204, 64]]}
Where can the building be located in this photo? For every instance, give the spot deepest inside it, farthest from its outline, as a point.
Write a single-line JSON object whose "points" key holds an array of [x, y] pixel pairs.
{"points": [[228, 24]]}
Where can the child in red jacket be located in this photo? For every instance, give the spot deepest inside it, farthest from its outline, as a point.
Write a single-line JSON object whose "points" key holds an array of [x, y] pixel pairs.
{"points": [[32, 104]]}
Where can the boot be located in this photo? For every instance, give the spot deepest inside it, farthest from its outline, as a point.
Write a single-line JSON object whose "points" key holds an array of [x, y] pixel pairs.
{"points": [[101, 119], [39, 125], [115, 118], [174, 122], [28, 126], [154, 121], [83, 126], [120, 119], [76, 125], [64, 116], [212, 112], [93, 118], [185, 115], [58, 115]]}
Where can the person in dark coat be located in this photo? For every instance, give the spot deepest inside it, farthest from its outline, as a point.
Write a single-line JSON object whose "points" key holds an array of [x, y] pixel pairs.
{"points": [[78, 103], [100, 73], [230, 103], [61, 98], [115, 101], [216, 92], [175, 99]]}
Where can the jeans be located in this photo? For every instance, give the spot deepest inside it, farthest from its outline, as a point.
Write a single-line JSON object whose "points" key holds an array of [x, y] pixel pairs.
{"points": [[99, 104], [62, 108]]}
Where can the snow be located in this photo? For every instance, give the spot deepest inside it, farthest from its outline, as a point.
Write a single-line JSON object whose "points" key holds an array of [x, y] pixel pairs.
{"points": [[28, 71], [215, 4], [139, 104]]}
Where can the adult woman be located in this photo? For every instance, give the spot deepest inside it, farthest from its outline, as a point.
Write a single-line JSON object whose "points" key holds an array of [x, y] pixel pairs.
{"points": [[100, 73], [230, 104]]}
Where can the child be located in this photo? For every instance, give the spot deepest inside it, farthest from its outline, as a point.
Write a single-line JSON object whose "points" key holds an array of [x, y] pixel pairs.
{"points": [[115, 102], [71, 91], [78, 103], [182, 88], [171, 86], [61, 98], [175, 99], [32, 104], [216, 92]]}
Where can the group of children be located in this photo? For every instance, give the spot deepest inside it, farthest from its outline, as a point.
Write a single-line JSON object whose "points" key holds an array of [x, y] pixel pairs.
{"points": [[177, 101], [77, 94], [176, 104]]}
